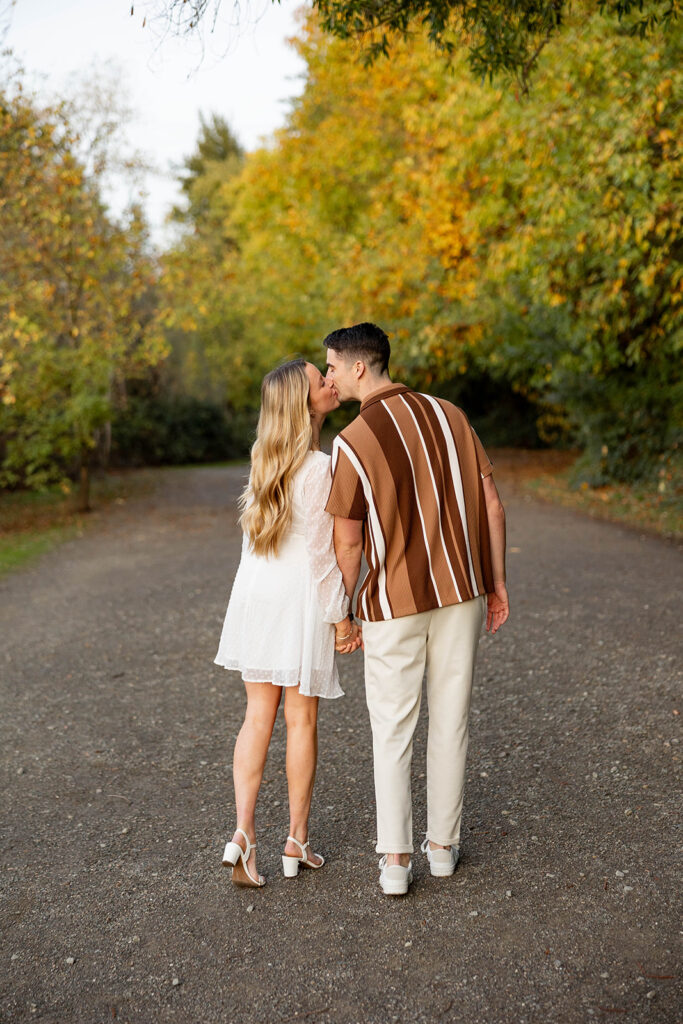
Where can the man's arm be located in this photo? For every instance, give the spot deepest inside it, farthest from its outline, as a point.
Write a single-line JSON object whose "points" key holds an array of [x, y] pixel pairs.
{"points": [[348, 547], [498, 602]]}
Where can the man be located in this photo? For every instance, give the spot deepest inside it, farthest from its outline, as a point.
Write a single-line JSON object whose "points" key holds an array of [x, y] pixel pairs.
{"points": [[412, 485]]}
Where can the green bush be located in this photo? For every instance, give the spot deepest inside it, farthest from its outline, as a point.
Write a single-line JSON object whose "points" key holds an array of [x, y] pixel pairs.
{"points": [[157, 431]]}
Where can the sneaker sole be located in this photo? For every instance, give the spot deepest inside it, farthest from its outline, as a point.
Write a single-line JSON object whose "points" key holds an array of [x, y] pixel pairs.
{"points": [[390, 888], [442, 872]]}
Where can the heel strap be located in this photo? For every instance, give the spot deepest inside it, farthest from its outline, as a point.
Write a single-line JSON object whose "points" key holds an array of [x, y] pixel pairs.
{"points": [[250, 846], [291, 839]]}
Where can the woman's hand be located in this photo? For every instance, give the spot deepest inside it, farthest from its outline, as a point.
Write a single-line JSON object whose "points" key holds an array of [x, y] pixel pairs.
{"points": [[348, 636]]}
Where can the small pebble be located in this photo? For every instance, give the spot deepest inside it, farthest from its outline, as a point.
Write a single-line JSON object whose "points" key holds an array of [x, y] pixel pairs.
{"points": [[176, 981], [651, 994], [628, 888], [250, 908], [71, 960], [619, 874], [15, 956], [21, 771], [605, 974], [474, 913], [508, 893], [408, 943]]}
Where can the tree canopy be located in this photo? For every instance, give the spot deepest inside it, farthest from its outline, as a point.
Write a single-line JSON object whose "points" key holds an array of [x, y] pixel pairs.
{"points": [[505, 37]]}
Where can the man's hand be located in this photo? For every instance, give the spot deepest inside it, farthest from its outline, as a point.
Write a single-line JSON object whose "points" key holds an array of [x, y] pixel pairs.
{"points": [[498, 608], [348, 637]]}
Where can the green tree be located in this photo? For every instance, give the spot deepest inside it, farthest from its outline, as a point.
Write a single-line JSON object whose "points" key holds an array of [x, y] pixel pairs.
{"points": [[75, 315], [217, 158], [198, 311]]}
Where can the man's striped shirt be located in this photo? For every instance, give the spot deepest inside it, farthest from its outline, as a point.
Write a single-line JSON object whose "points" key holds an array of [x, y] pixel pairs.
{"points": [[411, 467]]}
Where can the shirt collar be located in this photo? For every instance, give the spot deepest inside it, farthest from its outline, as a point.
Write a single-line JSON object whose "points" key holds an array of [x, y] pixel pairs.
{"points": [[380, 394]]}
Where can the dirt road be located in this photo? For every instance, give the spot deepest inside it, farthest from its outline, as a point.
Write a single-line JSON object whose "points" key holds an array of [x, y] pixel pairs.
{"points": [[116, 741]]}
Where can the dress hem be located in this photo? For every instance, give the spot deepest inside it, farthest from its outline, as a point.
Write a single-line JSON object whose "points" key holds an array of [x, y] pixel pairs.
{"points": [[247, 673]]}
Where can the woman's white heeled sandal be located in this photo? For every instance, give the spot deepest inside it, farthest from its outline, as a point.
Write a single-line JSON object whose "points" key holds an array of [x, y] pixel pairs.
{"points": [[236, 858], [290, 865]]}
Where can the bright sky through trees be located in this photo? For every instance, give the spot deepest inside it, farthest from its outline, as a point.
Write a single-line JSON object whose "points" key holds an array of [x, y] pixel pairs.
{"points": [[168, 80]]}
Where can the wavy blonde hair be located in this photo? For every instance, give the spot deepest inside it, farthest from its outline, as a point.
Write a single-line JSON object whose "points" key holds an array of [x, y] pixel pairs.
{"points": [[283, 438]]}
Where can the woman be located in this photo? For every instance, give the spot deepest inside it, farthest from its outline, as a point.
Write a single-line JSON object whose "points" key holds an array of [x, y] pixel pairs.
{"points": [[287, 594]]}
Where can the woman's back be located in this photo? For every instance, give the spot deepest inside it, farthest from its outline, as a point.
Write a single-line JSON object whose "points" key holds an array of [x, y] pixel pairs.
{"points": [[277, 627]]}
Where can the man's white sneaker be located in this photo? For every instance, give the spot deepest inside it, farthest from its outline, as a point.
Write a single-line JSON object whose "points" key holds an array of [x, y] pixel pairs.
{"points": [[441, 862], [394, 878]]}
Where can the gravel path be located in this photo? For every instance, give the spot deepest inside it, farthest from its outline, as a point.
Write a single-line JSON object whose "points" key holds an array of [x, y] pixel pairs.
{"points": [[116, 741]]}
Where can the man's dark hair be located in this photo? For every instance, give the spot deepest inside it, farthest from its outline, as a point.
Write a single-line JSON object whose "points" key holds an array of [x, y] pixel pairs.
{"points": [[362, 341]]}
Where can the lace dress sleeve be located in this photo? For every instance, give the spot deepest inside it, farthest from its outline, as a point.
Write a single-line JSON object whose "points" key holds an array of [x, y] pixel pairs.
{"points": [[322, 561]]}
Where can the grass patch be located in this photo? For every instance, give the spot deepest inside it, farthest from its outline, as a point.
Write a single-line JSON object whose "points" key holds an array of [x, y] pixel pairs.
{"points": [[19, 548], [33, 522], [655, 506]]}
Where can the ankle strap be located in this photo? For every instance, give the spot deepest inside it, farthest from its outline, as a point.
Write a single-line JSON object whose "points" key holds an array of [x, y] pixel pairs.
{"points": [[291, 839], [250, 845]]}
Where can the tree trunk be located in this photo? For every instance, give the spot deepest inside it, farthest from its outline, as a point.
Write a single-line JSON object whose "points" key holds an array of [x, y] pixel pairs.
{"points": [[83, 499]]}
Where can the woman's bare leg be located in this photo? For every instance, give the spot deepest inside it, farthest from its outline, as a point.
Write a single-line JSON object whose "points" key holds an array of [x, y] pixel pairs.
{"points": [[301, 716], [249, 760]]}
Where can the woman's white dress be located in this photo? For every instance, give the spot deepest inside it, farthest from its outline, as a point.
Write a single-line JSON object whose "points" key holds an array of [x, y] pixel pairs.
{"points": [[278, 626]]}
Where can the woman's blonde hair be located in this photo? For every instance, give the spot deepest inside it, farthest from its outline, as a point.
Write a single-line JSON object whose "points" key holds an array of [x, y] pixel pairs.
{"points": [[283, 438]]}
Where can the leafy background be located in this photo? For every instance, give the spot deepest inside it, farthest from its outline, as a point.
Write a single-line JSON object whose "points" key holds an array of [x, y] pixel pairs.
{"points": [[522, 250]]}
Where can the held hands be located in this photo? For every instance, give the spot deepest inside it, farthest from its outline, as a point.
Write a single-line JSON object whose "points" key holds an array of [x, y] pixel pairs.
{"points": [[348, 636], [498, 608]]}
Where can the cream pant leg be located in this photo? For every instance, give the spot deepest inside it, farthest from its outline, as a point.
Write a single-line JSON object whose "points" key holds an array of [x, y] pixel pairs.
{"points": [[452, 643], [396, 653]]}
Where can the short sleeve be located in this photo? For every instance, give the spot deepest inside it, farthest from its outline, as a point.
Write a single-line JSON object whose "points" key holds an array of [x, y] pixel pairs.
{"points": [[483, 461], [346, 499]]}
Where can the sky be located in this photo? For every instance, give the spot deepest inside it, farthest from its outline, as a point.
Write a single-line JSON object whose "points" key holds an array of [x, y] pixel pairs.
{"points": [[244, 71]]}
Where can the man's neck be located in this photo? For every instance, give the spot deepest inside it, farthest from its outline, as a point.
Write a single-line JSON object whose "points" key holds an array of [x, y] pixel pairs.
{"points": [[372, 384]]}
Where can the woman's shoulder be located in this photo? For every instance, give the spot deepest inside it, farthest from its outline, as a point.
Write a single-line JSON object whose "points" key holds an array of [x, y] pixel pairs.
{"points": [[316, 462], [315, 467]]}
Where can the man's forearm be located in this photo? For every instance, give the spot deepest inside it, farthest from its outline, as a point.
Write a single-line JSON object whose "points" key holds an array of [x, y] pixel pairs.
{"points": [[496, 517], [348, 547]]}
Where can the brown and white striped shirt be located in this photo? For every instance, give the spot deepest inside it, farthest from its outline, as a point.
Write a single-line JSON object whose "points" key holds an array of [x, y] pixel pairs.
{"points": [[410, 466]]}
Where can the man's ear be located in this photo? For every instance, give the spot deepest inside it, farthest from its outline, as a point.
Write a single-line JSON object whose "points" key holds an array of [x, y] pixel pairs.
{"points": [[359, 368]]}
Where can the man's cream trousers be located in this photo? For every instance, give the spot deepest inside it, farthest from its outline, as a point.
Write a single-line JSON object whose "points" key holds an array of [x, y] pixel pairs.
{"points": [[396, 652]]}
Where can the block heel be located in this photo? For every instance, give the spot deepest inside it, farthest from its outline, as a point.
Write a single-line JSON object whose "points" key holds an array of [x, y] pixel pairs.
{"points": [[290, 866], [232, 853]]}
